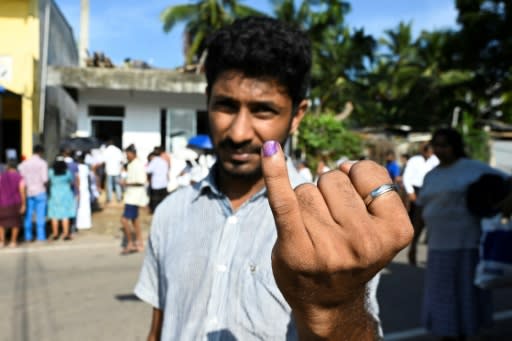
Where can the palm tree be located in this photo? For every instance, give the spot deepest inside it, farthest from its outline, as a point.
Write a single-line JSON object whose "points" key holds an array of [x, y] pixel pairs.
{"points": [[201, 18]]}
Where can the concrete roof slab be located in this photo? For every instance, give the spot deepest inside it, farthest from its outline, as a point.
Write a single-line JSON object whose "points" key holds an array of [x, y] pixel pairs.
{"points": [[157, 80]]}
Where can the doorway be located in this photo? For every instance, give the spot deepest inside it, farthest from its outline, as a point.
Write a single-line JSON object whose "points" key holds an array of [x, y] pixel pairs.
{"points": [[105, 130], [10, 125]]}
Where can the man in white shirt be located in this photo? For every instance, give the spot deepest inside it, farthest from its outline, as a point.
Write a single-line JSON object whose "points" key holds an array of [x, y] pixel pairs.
{"points": [[415, 170], [113, 157], [135, 197], [158, 171]]}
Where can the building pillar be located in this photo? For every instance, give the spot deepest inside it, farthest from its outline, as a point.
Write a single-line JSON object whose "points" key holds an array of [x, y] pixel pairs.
{"points": [[27, 124]]}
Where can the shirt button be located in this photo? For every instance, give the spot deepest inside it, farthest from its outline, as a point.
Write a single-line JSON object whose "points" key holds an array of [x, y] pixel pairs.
{"points": [[232, 220], [222, 268], [252, 267]]}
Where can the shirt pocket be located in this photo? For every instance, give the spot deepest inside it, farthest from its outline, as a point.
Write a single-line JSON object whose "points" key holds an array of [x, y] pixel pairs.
{"points": [[263, 310]]}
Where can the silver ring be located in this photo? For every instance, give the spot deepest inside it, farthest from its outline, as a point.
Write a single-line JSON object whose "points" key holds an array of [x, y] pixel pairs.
{"points": [[377, 192]]}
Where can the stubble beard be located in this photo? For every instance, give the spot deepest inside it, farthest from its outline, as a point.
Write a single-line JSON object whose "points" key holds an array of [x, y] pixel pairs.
{"points": [[249, 176]]}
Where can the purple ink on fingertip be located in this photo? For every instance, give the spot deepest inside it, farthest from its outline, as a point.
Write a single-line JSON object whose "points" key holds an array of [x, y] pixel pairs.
{"points": [[270, 148]]}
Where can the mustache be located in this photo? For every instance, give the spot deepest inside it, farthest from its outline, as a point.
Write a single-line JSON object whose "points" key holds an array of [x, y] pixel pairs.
{"points": [[244, 147]]}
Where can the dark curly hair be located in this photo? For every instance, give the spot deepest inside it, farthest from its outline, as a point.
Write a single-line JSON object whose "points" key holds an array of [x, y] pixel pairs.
{"points": [[261, 47]]}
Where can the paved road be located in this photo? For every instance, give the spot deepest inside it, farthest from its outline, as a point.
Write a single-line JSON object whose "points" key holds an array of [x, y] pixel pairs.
{"points": [[82, 290]]}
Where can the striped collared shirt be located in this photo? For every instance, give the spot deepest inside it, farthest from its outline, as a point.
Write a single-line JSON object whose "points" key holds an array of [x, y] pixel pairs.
{"points": [[209, 268]]}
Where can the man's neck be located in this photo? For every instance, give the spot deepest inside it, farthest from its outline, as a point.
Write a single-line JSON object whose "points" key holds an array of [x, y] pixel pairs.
{"points": [[238, 189]]}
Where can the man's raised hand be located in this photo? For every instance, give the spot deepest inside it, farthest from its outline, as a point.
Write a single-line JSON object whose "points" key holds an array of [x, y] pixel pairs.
{"points": [[330, 244]]}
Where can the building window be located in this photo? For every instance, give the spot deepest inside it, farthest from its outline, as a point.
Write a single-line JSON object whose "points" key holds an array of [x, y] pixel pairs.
{"points": [[103, 110]]}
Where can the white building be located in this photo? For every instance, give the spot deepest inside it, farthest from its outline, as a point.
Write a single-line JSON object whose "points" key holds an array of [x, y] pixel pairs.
{"points": [[146, 107]]}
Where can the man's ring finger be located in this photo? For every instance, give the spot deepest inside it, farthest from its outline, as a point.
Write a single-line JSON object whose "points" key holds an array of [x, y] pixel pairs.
{"points": [[377, 192]]}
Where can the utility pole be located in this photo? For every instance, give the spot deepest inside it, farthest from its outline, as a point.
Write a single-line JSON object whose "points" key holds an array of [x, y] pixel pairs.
{"points": [[84, 32]]}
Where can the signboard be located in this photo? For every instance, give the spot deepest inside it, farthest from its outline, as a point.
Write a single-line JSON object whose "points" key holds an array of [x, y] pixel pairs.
{"points": [[5, 69]]}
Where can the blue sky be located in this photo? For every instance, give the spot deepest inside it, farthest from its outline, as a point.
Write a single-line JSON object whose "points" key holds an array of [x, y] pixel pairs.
{"points": [[132, 28]]}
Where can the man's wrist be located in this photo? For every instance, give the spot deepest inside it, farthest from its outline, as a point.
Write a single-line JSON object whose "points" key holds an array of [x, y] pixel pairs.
{"points": [[349, 321]]}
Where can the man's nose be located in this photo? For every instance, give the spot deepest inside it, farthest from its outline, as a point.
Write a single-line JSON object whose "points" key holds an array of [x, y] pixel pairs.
{"points": [[241, 128]]}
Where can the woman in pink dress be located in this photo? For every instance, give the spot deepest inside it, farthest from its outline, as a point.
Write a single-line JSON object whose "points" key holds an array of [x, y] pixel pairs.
{"points": [[12, 202]]}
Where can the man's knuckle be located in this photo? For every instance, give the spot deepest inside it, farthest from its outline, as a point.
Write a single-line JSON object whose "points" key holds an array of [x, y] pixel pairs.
{"points": [[283, 207]]}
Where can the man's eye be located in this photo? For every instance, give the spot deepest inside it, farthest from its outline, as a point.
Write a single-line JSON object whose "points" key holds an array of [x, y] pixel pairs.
{"points": [[264, 110]]}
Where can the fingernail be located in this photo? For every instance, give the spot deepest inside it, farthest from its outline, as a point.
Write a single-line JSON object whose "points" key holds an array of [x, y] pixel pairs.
{"points": [[270, 148]]}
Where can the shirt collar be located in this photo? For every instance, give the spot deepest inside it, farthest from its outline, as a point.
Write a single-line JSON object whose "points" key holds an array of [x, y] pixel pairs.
{"points": [[208, 184]]}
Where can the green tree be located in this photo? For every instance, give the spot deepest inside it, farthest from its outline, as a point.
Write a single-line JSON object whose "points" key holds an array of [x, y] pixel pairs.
{"points": [[411, 82], [477, 140], [202, 18], [339, 56], [484, 46]]}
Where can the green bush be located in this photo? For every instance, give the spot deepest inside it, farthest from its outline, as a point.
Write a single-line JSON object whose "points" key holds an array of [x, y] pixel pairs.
{"points": [[323, 134]]}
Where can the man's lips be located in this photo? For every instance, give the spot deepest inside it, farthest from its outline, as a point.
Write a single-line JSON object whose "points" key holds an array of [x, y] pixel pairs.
{"points": [[241, 155]]}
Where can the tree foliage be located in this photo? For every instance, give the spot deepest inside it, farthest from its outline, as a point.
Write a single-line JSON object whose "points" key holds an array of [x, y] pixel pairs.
{"points": [[396, 79], [202, 18]]}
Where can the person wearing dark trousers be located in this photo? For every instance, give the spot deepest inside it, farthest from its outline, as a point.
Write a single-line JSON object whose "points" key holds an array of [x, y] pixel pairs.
{"points": [[158, 170], [415, 170]]}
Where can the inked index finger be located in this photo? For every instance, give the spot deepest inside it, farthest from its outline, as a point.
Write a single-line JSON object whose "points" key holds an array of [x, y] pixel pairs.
{"points": [[281, 196]]}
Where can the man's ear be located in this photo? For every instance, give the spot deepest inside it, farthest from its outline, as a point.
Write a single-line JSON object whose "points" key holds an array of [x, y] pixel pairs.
{"points": [[299, 115]]}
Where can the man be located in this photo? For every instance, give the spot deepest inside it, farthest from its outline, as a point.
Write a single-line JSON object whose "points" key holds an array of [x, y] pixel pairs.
{"points": [[35, 175], [158, 172], [392, 166], [415, 170], [213, 269], [134, 197], [113, 157]]}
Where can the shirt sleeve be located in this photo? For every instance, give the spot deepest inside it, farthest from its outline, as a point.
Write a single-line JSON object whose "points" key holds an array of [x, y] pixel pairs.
{"points": [[151, 167], [148, 286]]}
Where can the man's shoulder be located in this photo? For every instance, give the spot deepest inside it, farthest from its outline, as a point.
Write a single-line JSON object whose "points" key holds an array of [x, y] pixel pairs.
{"points": [[177, 204], [472, 165], [181, 197], [112, 150], [158, 162], [415, 159]]}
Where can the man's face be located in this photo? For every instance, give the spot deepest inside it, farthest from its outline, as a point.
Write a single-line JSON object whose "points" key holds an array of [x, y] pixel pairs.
{"points": [[244, 113], [130, 155], [443, 150], [427, 153]]}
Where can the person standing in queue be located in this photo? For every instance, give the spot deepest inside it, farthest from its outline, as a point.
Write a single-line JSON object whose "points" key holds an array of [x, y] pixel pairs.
{"points": [[415, 170], [135, 196], [35, 175]]}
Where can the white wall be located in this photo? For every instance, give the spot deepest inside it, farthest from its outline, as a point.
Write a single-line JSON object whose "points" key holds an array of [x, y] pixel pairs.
{"points": [[141, 124], [502, 155]]}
